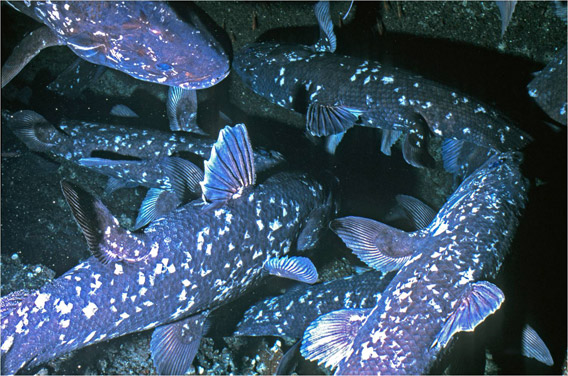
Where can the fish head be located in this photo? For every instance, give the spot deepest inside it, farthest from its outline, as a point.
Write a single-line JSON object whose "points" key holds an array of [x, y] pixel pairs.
{"points": [[177, 53], [148, 41]]}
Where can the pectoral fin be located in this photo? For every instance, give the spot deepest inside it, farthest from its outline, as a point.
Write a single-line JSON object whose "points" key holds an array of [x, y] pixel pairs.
{"points": [[382, 247]]}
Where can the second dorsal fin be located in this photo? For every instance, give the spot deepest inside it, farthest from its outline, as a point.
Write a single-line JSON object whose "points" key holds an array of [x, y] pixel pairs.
{"points": [[230, 169]]}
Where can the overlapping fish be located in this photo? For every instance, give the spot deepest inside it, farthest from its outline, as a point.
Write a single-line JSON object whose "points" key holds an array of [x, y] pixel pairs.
{"points": [[174, 274], [442, 286]]}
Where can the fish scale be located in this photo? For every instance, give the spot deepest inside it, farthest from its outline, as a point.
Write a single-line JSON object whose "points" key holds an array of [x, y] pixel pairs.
{"points": [[184, 265], [295, 77]]}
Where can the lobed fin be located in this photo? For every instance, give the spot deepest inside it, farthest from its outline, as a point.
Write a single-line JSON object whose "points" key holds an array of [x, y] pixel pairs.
{"points": [[327, 41], [480, 300], [532, 346], [297, 268], [174, 346], [34, 131], [381, 247], [327, 120], [388, 138], [329, 339], [107, 241], [122, 110], [182, 110], [157, 203]]}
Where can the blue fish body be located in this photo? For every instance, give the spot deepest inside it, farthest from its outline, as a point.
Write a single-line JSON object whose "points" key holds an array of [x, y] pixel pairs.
{"points": [[289, 314], [441, 288], [80, 141], [337, 92], [140, 38], [170, 277]]}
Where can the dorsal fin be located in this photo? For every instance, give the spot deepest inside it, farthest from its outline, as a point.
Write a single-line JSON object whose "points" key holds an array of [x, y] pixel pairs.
{"points": [[230, 168], [106, 239], [37, 133]]}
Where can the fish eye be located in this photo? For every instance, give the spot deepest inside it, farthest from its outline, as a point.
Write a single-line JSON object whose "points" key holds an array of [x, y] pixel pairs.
{"points": [[164, 67]]}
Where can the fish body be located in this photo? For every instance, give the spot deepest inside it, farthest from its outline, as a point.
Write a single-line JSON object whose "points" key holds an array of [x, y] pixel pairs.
{"points": [[548, 88], [138, 154], [441, 287], [289, 314], [337, 92], [140, 38], [197, 258]]}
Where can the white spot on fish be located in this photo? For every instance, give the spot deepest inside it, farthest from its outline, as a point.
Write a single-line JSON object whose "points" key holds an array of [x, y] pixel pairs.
{"points": [[387, 80], [90, 310], [41, 300]]}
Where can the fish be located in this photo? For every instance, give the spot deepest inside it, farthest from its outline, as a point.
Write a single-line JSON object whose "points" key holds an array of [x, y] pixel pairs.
{"points": [[181, 268], [548, 87], [140, 156], [337, 92], [442, 285], [288, 315], [140, 38]]}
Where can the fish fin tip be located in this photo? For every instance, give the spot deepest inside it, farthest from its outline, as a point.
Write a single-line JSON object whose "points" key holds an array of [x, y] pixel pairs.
{"points": [[157, 203], [326, 120], [420, 214], [532, 346], [174, 346], [480, 300], [332, 142], [184, 175], [182, 110], [296, 268], [230, 169], [383, 248], [121, 110], [328, 339], [415, 152], [388, 138]]}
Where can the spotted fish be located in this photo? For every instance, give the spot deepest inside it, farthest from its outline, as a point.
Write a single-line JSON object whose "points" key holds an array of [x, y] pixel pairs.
{"points": [[173, 275], [140, 38], [337, 92], [441, 288], [140, 157]]}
